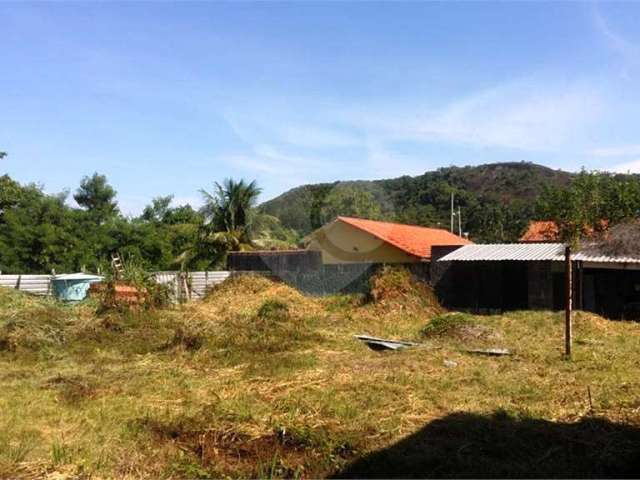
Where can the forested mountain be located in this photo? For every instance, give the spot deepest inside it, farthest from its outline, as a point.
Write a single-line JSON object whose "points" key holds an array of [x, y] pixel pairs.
{"points": [[496, 200]]}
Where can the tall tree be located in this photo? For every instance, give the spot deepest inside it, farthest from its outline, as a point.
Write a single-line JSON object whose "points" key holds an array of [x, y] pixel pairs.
{"points": [[10, 192], [230, 220], [592, 201], [230, 208], [158, 210], [97, 197], [351, 202]]}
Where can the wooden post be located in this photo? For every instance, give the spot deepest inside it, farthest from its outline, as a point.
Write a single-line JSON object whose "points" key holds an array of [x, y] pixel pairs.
{"points": [[568, 301]]}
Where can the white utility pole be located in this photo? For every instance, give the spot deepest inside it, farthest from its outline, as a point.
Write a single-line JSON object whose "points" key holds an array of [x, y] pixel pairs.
{"points": [[452, 213]]}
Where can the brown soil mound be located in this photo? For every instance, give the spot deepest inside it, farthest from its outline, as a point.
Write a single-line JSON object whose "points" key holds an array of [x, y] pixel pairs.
{"points": [[224, 450]]}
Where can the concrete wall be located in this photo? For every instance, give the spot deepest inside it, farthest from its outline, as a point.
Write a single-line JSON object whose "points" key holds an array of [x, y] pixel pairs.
{"points": [[342, 243], [274, 260], [339, 278]]}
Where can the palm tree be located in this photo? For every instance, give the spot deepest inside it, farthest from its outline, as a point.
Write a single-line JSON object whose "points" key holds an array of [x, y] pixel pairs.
{"points": [[230, 208], [230, 222]]}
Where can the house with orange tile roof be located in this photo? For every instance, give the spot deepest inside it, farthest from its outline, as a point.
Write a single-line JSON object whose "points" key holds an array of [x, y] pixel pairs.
{"points": [[358, 240]]}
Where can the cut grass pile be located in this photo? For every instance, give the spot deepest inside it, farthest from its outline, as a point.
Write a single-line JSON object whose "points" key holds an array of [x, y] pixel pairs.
{"points": [[260, 381]]}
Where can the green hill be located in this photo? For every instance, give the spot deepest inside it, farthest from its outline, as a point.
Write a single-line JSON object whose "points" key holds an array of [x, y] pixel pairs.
{"points": [[496, 200]]}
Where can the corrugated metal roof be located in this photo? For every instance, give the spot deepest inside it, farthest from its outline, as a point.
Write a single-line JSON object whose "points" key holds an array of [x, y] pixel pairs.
{"points": [[600, 258], [529, 252], [507, 251]]}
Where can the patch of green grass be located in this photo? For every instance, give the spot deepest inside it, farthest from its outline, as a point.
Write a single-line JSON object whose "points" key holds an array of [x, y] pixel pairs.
{"points": [[446, 323], [60, 454], [273, 310]]}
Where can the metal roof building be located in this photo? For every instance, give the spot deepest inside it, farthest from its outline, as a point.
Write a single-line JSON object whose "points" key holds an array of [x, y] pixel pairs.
{"points": [[532, 252], [531, 276], [507, 252]]}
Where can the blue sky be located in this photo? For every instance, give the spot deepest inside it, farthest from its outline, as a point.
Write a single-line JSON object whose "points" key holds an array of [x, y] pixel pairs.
{"points": [[169, 97]]}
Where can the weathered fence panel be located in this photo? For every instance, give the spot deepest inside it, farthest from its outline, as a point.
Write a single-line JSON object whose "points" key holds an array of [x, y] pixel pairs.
{"points": [[198, 282], [202, 281], [34, 284]]}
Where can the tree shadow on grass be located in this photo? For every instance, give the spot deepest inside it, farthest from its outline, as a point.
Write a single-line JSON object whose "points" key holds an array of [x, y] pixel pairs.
{"points": [[466, 445]]}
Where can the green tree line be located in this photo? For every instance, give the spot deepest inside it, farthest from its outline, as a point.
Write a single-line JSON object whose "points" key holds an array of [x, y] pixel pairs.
{"points": [[592, 202], [40, 232]]}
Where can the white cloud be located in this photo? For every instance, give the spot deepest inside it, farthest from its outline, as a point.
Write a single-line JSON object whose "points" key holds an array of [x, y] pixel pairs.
{"points": [[311, 136], [617, 151], [530, 114], [629, 51], [283, 169], [132, 205], [627, 167], [521, 115], [536, 115], [195, 202], [382, 162], [308, 132]]}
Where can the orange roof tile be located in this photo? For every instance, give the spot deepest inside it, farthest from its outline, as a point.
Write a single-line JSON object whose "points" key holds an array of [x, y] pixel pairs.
{"points": [[412, 239]]}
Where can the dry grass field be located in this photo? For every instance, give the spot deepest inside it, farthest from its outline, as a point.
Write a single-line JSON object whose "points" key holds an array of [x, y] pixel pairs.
{"points": [[260, 381]]}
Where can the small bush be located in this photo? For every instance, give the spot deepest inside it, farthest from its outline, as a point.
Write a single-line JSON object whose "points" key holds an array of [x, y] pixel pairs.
{"points": [[446, 324], [31, 323], [187, 338], [395, 286], [274, 310], [275, 327], [72, 389], [146, 291]]}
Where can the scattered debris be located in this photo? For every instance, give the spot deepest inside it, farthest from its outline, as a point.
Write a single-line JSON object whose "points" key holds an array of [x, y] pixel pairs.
{"points": [[375, 343], [490, 351], [118, 293], [450, 363]]}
